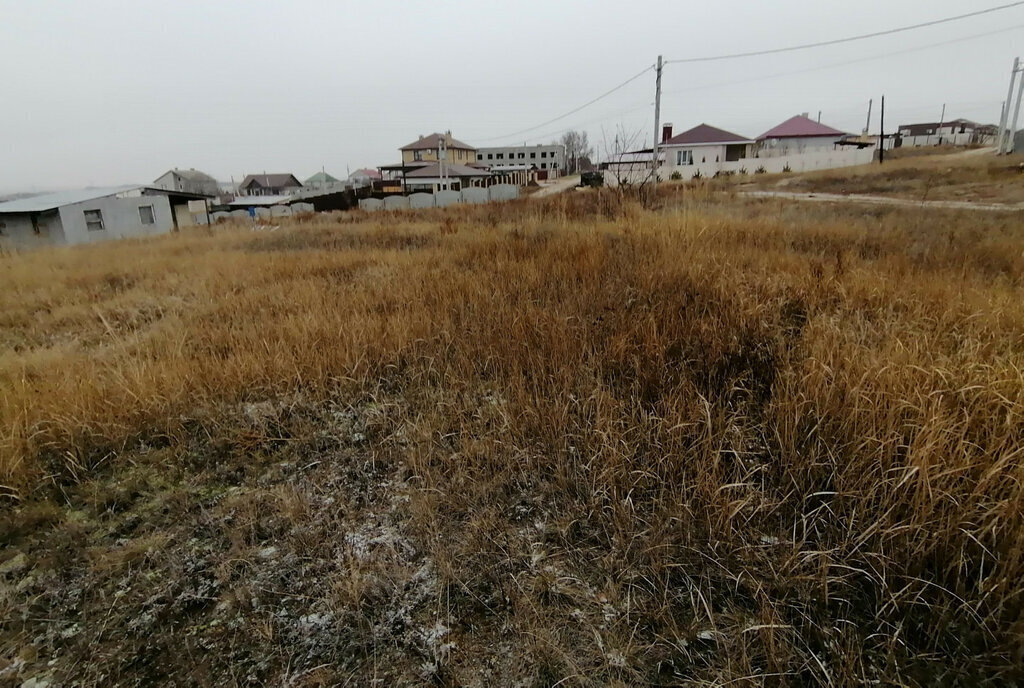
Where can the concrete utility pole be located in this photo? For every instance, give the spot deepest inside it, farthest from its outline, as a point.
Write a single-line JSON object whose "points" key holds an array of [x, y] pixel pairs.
{"points": [[657, 124], [1011, 134], [867, 125], [881, 133], [1000, 143]]}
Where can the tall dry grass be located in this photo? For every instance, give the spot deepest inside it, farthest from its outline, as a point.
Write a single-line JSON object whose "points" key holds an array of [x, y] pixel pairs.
{"points": [[781, 445]]}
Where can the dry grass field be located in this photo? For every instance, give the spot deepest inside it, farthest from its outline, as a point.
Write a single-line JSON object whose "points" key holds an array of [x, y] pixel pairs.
{"points": [[570, 441], [920, 174]]}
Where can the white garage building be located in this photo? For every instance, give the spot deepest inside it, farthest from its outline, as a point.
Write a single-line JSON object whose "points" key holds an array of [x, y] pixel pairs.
{"points": [[88, 215]]}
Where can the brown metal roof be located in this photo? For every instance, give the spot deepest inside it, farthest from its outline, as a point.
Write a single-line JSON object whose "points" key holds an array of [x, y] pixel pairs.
{"points": [[798, 126], [430, 143], [705, 134]]}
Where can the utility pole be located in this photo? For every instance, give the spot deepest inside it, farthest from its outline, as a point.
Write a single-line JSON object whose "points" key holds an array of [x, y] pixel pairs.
{"points": [[942, 120], [819, 116], [1006, 110], [1016, 112], [867, 125], [881, 133], [657, 124]]}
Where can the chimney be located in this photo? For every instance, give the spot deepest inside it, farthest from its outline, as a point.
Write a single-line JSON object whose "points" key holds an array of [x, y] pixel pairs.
{"points": [[804, 114], [666, 132]]}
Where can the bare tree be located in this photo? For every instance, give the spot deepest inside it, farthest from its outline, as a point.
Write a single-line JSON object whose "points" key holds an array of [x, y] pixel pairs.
{"points": [[577, 150], [628, 163]]}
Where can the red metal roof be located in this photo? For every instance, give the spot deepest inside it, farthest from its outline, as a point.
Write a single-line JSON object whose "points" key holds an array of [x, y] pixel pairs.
{"points": [[704, 134], [798, 126]]}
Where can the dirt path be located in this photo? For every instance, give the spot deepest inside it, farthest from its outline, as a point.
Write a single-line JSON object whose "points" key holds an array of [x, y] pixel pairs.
{"points": [[881, 200], [558, 186]]}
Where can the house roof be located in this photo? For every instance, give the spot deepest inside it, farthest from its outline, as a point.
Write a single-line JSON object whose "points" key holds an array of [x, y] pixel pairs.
{"points": [[365, 172], [430, 143], [705, 134], [271, 180], [433, 170], [321, 178], [192, 175], [49, 201], [798, 126]]}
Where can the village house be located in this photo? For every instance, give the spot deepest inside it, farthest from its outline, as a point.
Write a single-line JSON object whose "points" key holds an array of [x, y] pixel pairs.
{"points": [[425, 149], [190, 181], [796, 136], [269, 185], [703, 144], [321, 180]]}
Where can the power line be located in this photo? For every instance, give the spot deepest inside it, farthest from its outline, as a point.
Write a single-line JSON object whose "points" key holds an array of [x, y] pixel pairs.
{"points": [[844, 63], [849, 39], [574, 111]]}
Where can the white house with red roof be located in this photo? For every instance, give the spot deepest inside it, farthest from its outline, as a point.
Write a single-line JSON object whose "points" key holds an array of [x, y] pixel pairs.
{"points": [[704, 144], [796, 136]]}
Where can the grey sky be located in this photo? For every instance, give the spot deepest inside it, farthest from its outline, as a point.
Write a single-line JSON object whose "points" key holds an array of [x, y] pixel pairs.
{"points": [[105, 92]]}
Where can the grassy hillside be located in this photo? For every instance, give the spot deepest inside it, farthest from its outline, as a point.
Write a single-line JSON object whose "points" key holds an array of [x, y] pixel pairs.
{"points": [[917, 174], [559, 442]]}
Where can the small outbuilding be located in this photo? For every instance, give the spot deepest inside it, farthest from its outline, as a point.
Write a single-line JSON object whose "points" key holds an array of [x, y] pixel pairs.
{"points": [[89, 215]]}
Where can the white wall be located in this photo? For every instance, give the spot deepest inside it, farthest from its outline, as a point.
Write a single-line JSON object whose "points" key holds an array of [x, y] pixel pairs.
{"points": [[806, 162], [965, 139], [120, 218], [17, 230], [796, 145]]}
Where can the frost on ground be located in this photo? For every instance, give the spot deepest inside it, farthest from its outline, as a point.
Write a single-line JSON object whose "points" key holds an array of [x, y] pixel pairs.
{"points": [[255, 559]]}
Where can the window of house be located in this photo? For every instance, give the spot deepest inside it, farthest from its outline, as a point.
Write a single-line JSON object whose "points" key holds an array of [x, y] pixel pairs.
{"points": [[146, 215], [522, 155], [554, 165], [93, 220], [684, 157], [543, 154], [533, 156], [417, 155], [490, 156], [501, 156], [543, 165]]}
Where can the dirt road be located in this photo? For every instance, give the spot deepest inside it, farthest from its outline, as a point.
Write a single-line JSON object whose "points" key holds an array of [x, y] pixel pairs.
{"points": [[882, 200], [558, 186]]}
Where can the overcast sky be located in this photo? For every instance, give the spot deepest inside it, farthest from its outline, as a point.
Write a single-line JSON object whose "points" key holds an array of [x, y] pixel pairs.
{"points": [[107, 92]]}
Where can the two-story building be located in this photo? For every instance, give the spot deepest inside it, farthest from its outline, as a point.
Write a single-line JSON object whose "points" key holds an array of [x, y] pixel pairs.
{"points": [[549, 158], [190, 181], [426, 149]]}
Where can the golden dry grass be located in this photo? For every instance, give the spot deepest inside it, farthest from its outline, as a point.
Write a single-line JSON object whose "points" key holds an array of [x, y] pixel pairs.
{"points": [[946, 175], [714, 442]]}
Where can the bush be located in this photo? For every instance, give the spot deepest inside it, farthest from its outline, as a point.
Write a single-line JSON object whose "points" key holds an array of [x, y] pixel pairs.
{"points": [[676, 176], [760, 170]]}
